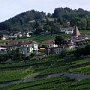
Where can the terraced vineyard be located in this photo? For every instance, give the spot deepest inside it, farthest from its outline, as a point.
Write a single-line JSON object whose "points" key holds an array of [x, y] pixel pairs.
{"points": [[52, 84], [46, 74]]}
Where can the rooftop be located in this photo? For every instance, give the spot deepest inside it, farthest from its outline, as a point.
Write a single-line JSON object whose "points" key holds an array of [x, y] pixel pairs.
{"points": [[76, 31]]}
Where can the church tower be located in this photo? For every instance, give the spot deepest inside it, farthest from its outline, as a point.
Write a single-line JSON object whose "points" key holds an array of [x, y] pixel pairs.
{"points": [[76, 32]]}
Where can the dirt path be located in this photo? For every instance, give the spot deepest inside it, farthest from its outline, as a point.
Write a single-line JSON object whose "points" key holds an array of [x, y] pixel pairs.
{"points": [[69, 75]]}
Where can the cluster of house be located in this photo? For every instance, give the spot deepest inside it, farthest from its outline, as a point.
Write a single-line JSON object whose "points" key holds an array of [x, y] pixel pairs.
{"points": [[16, 35], [25, 48], [76, 40], [47, 47]]}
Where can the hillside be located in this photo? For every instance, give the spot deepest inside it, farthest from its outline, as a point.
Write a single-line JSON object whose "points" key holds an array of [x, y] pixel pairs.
{"points": [[22, 22], [40, 22], [46, 74]]}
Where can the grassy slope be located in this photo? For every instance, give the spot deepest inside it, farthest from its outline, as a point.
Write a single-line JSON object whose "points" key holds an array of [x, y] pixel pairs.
{"points": [[52, 84], [10, 75], [46, 66], [87, 32], [38, 38]]}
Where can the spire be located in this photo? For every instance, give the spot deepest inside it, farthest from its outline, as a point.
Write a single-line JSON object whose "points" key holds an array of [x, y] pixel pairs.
{"points": [[76, 31]]}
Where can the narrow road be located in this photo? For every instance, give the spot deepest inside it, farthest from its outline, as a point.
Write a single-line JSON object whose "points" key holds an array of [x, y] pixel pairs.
{"points": [[69, 75]]}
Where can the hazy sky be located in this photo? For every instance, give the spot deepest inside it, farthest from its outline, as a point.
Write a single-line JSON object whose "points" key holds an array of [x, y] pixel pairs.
{"points": [[10, 8]]}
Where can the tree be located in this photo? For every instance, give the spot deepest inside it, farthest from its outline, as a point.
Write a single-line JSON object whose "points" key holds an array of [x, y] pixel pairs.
{"points": [[88, 23], [26, 20], [82, 23], [60, 41], [83, 51], [38, 31], [49, 15], [22, 22]]}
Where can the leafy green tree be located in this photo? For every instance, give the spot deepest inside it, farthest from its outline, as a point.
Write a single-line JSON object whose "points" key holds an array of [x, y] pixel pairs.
{"points": [[83, 51], [60, 41], [88, 23], [82, 24]]}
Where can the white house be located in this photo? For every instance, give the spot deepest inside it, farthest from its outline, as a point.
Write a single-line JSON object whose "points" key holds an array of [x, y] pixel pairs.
{"points": [[3, 37], [27, 34], [13, 36], [67, 30], [28, 48], [25, 48], [50, 44]]}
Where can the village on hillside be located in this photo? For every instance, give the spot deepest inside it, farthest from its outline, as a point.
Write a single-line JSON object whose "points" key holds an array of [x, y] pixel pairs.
{"points": [[48, 47], [44, 44]]}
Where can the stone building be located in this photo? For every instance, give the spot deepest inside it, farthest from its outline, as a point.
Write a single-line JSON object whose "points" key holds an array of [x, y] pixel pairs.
{"points": [[76, 38]]}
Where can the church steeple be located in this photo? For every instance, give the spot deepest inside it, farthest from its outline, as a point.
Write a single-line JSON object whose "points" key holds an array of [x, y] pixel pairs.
{"points": [[76, 31]]}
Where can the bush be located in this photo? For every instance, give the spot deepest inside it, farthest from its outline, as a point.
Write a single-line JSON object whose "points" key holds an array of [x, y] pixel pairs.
{"points": [[12, 55], [83, 51]]}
